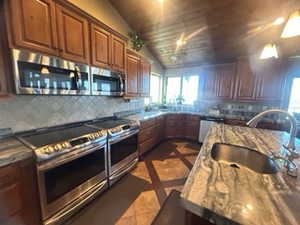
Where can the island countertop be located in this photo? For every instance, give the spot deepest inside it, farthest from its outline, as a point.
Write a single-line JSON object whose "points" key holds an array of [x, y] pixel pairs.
{"points": [[227, 195]]}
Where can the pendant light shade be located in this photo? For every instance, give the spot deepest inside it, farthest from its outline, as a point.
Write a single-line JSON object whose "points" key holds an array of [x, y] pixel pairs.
{"points": [[292, 28], [269, 51]]}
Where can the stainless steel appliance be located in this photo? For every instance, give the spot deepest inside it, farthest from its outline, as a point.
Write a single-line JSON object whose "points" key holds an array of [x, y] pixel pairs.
{"points": [[205, 124], [71, 167], [122, 145], [41, 74], [106, 82]]}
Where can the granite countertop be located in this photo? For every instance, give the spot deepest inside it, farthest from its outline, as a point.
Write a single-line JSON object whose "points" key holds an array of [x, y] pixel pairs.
{"points": [[153, 114], [226, 195], [12, 150]]}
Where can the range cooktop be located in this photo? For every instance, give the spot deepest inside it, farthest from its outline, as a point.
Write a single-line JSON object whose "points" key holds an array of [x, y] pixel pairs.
{"points": [[111, 123], [50, 142], [114, 125], [47, 137]]}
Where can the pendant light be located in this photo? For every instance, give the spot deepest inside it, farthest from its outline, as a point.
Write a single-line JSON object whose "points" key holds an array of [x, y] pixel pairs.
{"points": [[269, 51], [292, 27]]}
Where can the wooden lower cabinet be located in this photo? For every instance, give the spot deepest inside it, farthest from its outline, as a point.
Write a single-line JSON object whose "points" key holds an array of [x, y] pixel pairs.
{"points": [[182, 126], [151, 134], [154, 131], [19, 202]]}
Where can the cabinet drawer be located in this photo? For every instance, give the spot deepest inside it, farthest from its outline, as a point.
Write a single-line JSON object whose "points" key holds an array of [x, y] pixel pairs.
{"points": [[147, 134], [147, 123], [175, 117], [146, 145], [192, 123], [193, 117]]}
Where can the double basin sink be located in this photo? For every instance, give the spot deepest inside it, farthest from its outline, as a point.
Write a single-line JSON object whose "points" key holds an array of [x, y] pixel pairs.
{"points": [[237, 156]]}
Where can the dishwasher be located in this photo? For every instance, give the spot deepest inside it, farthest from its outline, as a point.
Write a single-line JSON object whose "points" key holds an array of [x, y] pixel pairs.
{"points": [[205, 124]]}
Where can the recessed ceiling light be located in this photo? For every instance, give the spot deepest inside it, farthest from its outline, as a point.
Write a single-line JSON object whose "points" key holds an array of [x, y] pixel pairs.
{"points": [[292, 27], [278, 21]]}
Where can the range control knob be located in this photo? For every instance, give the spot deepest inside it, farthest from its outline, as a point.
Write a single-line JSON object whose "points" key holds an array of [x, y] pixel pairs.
{"points": [[92, 137], [65, 145], [48, 150], [57, 147]]}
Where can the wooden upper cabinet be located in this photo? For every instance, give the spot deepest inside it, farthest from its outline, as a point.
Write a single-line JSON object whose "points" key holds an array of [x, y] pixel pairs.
{"points": [[270, 80], [101, 47], [246, 81], [33, 25], [208, 83], [118, 53], [133, 65], [73, 31], [144, 80], [218, 82], [225, 81]]}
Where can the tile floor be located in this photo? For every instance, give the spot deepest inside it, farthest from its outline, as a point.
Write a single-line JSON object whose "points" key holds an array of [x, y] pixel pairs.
{"points": [[137, 197]]}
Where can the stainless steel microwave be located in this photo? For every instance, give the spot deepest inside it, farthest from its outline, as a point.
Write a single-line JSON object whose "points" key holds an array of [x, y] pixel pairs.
{"points": [[39, 74], [106, 82]]}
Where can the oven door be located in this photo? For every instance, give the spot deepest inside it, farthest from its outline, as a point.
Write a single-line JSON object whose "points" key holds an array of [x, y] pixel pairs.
{"points": [[122, 155], [68, 182]]}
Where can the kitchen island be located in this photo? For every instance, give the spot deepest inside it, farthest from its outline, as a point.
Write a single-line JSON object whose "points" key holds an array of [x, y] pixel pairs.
{"points": [[227, 195]]}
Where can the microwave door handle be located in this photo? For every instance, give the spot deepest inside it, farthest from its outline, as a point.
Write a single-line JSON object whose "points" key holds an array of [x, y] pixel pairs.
{"points": [[121, 83]]}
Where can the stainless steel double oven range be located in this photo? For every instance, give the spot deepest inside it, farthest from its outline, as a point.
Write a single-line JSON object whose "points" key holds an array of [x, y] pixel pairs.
{"points": [[46, 75], [76, 162]]}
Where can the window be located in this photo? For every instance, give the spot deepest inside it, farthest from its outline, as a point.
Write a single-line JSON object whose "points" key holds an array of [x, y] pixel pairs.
{"points": [[294, 105], [182, 86], [155, 88], [173, 89], [190, 89]]}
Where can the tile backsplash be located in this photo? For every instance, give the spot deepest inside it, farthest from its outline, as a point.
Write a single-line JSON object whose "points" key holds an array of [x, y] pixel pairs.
{"points": [[31, 112]]}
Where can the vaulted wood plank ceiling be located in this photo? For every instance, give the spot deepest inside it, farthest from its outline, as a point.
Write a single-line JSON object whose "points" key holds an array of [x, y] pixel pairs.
{"points": [[216, 31]]}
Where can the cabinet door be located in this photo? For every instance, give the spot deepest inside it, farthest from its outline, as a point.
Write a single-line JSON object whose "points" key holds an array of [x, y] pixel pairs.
{"points": [[246, 81], [101, 47], [270, 80], [209, 83], [225, 81], [132, 75], [118, 53], [3, 81], [192, 126], [33, 25], [145, 79], [73, 35], [10, 195]]}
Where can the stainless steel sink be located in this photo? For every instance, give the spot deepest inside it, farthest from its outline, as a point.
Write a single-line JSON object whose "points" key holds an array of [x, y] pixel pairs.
{"points": [[237, 156]]}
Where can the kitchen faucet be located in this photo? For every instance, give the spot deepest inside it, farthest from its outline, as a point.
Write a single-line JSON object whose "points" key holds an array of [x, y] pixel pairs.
{"points": [[289, 160]]}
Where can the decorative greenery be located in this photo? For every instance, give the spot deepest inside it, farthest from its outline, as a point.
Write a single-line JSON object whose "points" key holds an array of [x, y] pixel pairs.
{"points": [[137, 42], [180, 100]]}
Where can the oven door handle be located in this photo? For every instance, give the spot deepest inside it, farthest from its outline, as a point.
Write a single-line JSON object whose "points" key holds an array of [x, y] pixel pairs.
{"points": [[117, 139], [117, 175], [67, 158], [68, 211]]}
